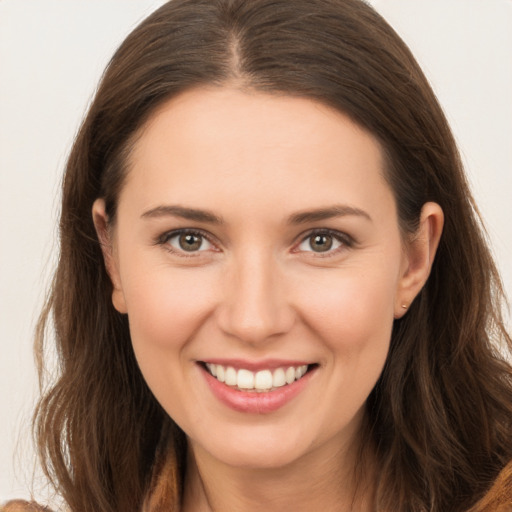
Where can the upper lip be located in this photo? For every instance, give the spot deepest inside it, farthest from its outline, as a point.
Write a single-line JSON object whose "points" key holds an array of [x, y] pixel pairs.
{"points": [[252, 365]]}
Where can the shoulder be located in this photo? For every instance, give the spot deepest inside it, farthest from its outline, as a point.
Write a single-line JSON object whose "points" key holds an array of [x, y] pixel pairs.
{"points": [[499, 496], [22, 506]]}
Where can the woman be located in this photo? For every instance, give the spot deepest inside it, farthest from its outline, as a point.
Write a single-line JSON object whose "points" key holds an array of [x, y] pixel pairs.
{"points": [[273, 290]]}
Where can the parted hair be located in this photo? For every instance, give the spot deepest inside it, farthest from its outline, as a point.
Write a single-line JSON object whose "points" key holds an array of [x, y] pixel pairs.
{"points": [[440, 416]]}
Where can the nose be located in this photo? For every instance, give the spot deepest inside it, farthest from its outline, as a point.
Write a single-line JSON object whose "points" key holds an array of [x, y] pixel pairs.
{"points": [[255, 308]]}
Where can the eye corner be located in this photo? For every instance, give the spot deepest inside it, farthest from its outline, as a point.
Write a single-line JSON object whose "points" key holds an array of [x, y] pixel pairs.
{"points": [[165, 240], [336, 243]]}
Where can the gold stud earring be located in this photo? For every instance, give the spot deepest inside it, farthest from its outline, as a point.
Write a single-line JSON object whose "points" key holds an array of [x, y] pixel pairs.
{"points": [[404, 306]]}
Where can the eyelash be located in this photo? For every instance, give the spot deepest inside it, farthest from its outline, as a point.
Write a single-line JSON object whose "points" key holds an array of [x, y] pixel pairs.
{"points": [[345, 240], [164, 241]]}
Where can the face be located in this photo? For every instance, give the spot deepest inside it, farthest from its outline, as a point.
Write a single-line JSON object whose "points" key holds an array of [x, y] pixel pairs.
{"points": [[257, 243]]}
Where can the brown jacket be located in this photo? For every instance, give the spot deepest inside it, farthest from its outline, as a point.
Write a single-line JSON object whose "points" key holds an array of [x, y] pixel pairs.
{"points": [[498, 499]]}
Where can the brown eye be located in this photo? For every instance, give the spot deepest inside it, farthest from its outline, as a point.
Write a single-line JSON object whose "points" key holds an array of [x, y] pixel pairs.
{"points": [[322, 242], [188, 241]]}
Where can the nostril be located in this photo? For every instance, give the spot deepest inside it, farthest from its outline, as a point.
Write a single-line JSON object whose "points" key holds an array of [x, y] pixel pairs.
{"points": [[253, 307], [255, 324]]}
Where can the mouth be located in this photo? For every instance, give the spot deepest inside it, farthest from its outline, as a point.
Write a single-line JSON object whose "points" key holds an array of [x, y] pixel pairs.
{"points": [[257, 388], [261, 381]]}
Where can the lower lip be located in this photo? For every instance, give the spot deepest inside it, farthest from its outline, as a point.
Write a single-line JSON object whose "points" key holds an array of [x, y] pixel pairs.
{"points": [[256, 402]]}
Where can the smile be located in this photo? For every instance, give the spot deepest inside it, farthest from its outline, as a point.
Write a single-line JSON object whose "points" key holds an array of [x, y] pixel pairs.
{"points": [[260, 381], [264, 389]]}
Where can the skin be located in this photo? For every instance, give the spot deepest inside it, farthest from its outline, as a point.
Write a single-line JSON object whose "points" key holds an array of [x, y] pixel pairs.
{"points": [[259, 289]]}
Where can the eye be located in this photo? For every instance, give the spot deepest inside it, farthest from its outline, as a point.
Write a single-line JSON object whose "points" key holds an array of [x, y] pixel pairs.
{"points": [[324, 241], [186, 241]]}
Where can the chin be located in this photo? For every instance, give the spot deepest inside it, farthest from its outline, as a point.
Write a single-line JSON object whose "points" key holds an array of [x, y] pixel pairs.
{"points": [[260, 457], [259, 447]]}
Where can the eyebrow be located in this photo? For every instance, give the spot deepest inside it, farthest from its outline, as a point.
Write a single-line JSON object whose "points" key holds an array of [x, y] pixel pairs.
{"points": [[327, 213], [297, 218], [185, 213]]}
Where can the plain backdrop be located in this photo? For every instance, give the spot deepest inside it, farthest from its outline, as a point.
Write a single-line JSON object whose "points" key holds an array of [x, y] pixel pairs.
{"points": [[52, 53]]}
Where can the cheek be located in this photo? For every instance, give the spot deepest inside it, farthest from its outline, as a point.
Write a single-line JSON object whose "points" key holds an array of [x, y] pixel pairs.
{"points": [[353, 318], [165, 311], [352, 308], [165, 307]]}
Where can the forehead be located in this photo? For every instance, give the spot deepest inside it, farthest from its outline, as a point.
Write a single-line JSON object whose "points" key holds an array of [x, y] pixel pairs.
{"points": [[274, 150]]}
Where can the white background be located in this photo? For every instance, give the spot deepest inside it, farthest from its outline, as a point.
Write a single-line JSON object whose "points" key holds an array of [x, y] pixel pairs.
{"points": [[52, 53]]}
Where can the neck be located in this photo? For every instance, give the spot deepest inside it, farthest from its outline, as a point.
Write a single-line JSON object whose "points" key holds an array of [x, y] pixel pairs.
{"points": [[324, 480]]}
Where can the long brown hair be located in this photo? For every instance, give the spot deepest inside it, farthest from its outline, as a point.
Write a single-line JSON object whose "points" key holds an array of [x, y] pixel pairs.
{"points": [[440, 415]]}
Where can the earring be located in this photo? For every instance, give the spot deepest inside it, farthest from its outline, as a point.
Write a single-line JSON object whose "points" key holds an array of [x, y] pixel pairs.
{"points": [[404, 306]]}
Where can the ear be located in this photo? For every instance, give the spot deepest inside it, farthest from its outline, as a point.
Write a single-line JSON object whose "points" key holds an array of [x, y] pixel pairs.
{"points": [[104, 233], [419, 255]]}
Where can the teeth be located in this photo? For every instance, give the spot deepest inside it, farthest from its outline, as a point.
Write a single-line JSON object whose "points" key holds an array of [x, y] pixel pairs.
{"points": [[279, 378], [245, 379], [299, 372], [264, 380], [230, 376], [290, 375]]}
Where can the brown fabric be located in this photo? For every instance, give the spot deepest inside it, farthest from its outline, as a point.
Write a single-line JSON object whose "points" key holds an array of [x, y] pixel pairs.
{"points": [[164, 492], [163, 489], [162, 496], [499, 497]]}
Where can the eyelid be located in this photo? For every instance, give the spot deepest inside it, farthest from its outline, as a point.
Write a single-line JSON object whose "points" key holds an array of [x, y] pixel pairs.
{"points": [[164, 238], [346, 241]]}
